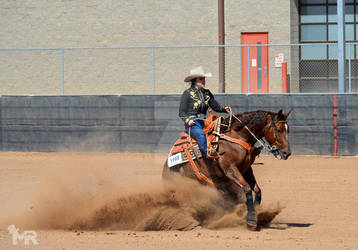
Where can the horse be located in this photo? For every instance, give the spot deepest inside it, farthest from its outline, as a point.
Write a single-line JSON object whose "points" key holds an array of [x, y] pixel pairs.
{"points": [[232, 173]]}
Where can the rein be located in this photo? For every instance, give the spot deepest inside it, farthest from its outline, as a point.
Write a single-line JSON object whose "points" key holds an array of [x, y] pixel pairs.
{"points": [[267, 146]]}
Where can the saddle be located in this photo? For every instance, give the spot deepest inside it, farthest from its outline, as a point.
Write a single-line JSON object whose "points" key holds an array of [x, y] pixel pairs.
{"points": [[212, 123], [186, 149]]}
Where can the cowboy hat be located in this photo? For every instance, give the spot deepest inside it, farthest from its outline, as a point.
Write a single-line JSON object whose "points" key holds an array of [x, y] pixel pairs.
{"points": [[195, 73]]}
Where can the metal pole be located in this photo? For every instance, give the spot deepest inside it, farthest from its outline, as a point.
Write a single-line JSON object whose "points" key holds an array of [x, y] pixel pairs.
{"points": [[221, 29], [341, 45], [248, 69], [63, 71], [349, 70], [284, 77], [153, 70]]}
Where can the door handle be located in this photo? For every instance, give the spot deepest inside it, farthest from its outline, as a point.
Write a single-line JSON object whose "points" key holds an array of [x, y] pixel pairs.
{"points": [[265, 68]]}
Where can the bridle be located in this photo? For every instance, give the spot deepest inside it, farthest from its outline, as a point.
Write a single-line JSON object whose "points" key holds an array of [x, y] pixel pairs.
{"points": [[275, 148], [272, 149]]}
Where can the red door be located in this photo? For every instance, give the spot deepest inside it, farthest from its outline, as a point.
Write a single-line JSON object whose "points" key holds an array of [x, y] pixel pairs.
{"points": [[254, 59]]}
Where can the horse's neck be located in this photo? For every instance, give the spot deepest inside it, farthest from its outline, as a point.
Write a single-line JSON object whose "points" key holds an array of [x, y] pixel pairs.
{"points": [[258, 130]]}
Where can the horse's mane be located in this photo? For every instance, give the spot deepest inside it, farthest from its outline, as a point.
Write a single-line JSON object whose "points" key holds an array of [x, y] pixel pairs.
{"points": [[250, 119]]}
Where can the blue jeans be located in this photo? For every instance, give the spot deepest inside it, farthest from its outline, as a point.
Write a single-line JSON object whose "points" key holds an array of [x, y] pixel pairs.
{"points": [[197, 133]]}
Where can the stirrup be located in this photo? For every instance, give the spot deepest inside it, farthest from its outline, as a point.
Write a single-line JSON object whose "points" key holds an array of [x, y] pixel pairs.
{"points": [[213, 154]]}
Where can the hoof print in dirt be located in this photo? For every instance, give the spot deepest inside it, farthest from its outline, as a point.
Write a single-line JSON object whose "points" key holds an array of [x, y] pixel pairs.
{"points": [[170, 219]]}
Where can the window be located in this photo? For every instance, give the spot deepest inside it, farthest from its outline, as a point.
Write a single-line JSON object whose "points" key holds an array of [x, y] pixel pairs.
{"points": [[318, 24], [318, 64], [313, 32]]}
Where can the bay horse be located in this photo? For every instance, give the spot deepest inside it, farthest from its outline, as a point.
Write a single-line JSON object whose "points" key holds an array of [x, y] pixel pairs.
{"points": [[232, 172]]}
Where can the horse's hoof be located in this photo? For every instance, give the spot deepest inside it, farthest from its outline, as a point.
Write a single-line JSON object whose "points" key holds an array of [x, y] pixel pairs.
{"points": [[252, 227], [251, 221]]}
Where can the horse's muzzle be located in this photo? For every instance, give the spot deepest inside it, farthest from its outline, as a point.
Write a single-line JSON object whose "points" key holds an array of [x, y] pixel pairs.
{"points": [[284, 155], [281, 155]]}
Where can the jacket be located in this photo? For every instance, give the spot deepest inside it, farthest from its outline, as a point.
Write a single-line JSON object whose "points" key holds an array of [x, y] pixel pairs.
{"points": [[196, 101]]}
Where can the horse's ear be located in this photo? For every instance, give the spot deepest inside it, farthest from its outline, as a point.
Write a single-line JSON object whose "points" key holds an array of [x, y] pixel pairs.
{"points": [[279, 114], [287, 114], [279, 117]]}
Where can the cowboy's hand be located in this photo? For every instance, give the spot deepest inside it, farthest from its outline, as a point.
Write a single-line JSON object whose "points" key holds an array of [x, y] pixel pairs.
{"points": [[191, 123], [227, 109]]}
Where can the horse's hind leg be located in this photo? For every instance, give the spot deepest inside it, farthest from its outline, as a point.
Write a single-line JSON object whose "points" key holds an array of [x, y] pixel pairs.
{"points": [[250, 178], [234, 174], [233, 195]]}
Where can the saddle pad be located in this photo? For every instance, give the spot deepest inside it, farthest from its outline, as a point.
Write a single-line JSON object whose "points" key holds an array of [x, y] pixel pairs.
{"points": [[180, 158]]}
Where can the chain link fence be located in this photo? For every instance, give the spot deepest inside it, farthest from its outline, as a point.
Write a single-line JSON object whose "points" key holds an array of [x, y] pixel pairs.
{"points": [[254, 68], [318, 68]]}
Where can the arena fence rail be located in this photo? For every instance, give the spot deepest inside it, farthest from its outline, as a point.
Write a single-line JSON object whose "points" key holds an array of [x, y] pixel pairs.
{"points": [[320, 124]]}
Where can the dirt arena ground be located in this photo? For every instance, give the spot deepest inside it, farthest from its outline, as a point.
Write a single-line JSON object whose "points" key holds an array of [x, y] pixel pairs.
{"points": [[72, 200]]}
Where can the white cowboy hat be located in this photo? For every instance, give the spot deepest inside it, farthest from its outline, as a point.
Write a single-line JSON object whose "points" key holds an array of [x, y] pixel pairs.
{"points": [[197, 72]]}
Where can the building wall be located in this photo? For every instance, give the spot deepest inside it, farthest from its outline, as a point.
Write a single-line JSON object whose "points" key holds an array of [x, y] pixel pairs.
{"points": [[258, 16], [68, 23]]}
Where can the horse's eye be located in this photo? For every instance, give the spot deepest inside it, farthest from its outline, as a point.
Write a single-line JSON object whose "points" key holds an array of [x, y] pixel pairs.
{"points": [[279, 130]]}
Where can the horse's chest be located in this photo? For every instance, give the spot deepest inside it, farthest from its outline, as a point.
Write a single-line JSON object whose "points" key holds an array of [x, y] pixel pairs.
{"points": [[246, 163]]}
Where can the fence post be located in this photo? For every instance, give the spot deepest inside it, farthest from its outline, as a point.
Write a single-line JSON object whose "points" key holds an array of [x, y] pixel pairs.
{"points": [[284, 77], [153, 70], [349, 70], [63, 71], [248, 69], [335, 123], [341, 45]]}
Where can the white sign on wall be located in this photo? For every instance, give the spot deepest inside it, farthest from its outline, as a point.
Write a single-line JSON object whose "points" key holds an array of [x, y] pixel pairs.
{"points": [[279, 59], [253, 63]]}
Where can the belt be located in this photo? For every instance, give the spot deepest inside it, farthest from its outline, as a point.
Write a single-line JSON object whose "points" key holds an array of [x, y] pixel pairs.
{"points": [[201, 116]]}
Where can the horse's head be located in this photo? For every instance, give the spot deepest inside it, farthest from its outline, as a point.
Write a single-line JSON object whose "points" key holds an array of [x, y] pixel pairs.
{"points": [[277, 134]]}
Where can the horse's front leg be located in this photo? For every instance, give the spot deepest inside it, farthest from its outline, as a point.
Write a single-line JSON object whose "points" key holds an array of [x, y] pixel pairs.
{"points": [[234, 174], [258, 195], [250, 178]]}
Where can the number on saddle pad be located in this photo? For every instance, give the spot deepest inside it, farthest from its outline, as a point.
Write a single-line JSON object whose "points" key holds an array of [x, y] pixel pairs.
{"points": [[175, 160]]}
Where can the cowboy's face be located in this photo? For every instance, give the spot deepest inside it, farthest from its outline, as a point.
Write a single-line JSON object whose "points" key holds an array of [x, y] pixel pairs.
{"points": [[200, 82]]}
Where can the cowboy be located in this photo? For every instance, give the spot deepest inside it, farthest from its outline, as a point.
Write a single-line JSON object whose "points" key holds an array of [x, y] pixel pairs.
{"points": [[194, 103]]}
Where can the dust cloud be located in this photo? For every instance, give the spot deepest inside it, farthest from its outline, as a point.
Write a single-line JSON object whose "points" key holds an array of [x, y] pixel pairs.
{"points": [[90, 198]]}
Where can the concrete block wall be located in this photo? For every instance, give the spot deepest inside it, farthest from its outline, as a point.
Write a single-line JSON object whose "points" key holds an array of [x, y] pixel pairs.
{"points": [[58, 23]]}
